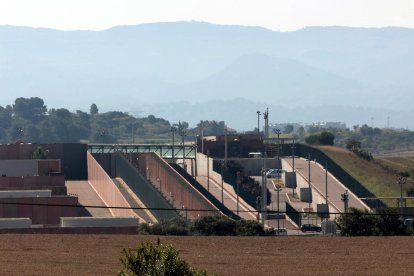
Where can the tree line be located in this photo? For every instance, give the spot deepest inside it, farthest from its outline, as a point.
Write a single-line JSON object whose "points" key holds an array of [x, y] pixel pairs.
{"points": [[29, 120]]}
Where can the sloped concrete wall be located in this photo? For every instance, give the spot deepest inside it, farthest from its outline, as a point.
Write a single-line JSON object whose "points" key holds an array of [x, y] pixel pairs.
{"points": [[106, 189]]}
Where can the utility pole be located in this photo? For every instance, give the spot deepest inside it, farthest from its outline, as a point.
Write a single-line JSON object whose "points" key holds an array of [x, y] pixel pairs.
{"points": [[258, 123], [202, 137], [208, 170], [326, 182], [225, 145], [277, 131], [238, 181], [264, 184], [309, 186], [173, 130], [222, 184], [402, 203]]}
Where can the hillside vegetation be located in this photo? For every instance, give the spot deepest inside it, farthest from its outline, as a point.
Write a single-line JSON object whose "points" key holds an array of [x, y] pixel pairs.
{"points": [[379, 179]]}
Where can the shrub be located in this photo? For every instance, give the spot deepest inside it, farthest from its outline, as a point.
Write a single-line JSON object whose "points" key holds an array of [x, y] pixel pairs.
{"points": [[355, 147], [214, 226], [149, 259], [175, 227], [324, 138], [361, 223], [39, 153], [249, 228]]}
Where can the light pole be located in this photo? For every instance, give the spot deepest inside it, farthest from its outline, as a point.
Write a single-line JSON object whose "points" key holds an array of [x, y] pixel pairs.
{"points": [[277, 131], [264, 184], [326, 182], [222, 184], [202, 136], [238, 184], [173, 130], [401, 182], [293, 164], [225, 146], [258, 123], [181, 132], [278, 189], [309, 186], [208, 170]]}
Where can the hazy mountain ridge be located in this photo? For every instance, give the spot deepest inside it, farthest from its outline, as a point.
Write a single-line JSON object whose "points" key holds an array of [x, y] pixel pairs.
{"points": [[191, 61]]}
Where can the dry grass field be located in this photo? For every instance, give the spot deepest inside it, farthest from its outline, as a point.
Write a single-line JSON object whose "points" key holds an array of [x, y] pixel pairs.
{"points": [[375, 178], [99, 254]]}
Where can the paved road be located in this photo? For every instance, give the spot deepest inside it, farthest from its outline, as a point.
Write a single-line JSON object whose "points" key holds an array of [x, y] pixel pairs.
{"points": [[317, 177]]}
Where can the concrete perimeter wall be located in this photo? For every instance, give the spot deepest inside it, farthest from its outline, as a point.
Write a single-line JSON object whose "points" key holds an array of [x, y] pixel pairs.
{"points": [[106, 189], [39, 209], [157, 170]]}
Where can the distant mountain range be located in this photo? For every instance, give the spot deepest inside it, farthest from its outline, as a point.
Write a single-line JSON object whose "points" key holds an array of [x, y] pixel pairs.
{"points": [[174, 69]]}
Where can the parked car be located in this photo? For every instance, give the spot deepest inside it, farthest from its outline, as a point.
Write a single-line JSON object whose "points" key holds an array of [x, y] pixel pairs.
{"points": [[310, 228], [274, 173], [280, 232]]}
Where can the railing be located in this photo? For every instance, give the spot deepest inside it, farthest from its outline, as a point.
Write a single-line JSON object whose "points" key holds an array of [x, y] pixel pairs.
{"points": [[165, 151]]}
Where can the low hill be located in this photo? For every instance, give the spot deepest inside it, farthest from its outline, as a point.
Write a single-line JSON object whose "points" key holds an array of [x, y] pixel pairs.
{"points": [[374, 175]]}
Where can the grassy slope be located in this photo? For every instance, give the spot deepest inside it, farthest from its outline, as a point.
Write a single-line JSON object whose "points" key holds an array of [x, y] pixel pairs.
{"points": [[374, 177]]}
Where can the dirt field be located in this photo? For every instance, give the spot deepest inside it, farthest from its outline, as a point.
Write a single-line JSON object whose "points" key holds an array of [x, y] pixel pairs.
{"points": [[99, 254]]}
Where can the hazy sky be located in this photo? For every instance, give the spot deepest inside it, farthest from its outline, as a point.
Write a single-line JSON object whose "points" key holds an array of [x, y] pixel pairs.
{"points": [[283, 15]]}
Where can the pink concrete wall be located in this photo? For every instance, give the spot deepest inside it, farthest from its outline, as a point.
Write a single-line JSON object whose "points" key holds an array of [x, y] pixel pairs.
{"points": [[40, 214], [47, 165], [30, 182], [25, 151], [107, 189], [160, 173]]}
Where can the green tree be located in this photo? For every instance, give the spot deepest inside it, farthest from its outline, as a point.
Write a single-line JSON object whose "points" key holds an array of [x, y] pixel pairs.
{"points": [[289, 129], [357, 222], [148, 259], [39, 153], [30, 109], [326, 138], [93, 109]]}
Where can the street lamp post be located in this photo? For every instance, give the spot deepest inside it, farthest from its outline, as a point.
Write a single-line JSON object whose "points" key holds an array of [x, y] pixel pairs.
{"points": [[326, 182], [264, 180], [293, 164], [208, 170], [277, 131], [173, 130], [238, 184], [202, 137], [309, 186], [222, 184], [258, 123], [225, 146], [278, 189], [401, 182]]}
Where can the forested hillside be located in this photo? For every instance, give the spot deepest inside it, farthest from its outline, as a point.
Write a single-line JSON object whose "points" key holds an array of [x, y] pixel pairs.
{"points": [[29, 120]]}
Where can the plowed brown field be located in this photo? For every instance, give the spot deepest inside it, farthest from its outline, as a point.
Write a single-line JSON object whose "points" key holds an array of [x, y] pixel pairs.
{"points": [[25, 254]]}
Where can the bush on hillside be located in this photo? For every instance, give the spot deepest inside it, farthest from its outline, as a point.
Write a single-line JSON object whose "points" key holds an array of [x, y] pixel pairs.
{"points": [[149, 259], [355, 147], [324, 138]]}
